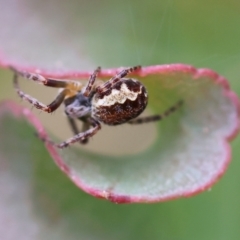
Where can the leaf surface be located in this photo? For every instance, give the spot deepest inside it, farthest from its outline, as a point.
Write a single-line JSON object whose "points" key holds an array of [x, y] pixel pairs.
{"points": [[191, 151]]}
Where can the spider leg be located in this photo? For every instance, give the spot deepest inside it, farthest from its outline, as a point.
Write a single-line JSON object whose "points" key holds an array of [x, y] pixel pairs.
{"points": [[75, 129], [49, 82], [158, 117], [86, 125], [91, 81], [73, 125], [47, 108], [117, 77], [81, 136]]}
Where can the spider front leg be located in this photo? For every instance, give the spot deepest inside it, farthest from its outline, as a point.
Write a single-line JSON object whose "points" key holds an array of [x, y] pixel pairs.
{"points": [[49, 82], [91, 81], [81, 136], [157, 117], [109, 84], [47, 108]]}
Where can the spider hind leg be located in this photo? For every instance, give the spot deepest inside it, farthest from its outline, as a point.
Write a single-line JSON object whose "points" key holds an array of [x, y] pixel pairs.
{"points": [[157, 117]]}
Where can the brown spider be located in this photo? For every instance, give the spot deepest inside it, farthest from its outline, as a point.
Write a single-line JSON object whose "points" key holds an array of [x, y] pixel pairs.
{"points": [[117, 101]]}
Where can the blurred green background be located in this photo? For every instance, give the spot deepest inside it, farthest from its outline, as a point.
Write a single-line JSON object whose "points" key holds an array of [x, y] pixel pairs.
{"points": [[203, 33]]}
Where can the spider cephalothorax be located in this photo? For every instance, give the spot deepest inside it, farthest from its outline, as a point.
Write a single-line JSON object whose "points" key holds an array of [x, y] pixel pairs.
{"points": [[117, 101], [78, 106]]}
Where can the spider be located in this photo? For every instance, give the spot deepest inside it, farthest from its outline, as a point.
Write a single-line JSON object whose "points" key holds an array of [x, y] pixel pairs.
{"points": [[117, 101]]}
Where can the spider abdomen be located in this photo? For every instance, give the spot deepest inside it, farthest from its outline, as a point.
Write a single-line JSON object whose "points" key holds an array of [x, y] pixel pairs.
{"points": [[121, 103]]}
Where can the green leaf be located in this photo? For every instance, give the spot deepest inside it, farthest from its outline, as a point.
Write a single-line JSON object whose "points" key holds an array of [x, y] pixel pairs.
{"points": [[191, 151]]}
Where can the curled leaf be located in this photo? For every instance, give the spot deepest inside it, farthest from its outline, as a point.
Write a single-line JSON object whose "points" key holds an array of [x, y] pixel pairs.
{"points": [[191, 151]]}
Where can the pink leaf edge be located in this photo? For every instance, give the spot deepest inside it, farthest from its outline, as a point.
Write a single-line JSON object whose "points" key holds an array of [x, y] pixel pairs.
{"points": [[19, 111]]}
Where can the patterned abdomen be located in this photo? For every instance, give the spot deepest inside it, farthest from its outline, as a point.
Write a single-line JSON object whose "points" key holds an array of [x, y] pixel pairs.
{"points": [[123, 102]]}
